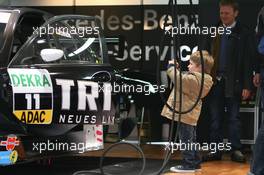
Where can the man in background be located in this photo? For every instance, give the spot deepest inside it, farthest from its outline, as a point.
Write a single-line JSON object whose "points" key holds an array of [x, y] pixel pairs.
{"points": [[232, 75]]}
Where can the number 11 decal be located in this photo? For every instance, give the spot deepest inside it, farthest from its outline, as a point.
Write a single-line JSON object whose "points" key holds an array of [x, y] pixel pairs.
{"points": [[36, 98]]}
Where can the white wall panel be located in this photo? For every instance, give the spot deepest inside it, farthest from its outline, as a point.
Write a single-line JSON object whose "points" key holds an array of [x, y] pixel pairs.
{"points": [[91, 2], [41, 2], [131, 2]]}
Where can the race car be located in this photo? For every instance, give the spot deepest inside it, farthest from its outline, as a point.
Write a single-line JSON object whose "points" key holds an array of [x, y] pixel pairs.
{"points": [[59, 87]]}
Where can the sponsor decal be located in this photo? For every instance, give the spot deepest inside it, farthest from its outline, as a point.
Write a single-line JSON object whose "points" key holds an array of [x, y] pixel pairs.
{"points": [[10, 155], [10, 143], [32, 95], [93, 135], [93, 105]]}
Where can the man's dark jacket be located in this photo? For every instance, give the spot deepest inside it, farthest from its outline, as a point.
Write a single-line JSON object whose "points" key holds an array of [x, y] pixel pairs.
{"points": [[240, 53]]}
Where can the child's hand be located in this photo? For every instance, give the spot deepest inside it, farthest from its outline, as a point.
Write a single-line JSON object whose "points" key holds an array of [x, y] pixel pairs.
{"points": [[172, 62]]}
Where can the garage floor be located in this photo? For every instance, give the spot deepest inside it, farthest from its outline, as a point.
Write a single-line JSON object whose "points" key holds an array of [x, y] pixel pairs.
{"points": [[89, 166], [120, 161], [83, 165]]}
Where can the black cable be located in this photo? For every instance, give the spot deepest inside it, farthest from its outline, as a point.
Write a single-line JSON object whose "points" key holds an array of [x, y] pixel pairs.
{"points": [[174, 16], [168, 155], [168, 152], [142, 34], [158, 72], [124, 143], [106, 151], [74, 6]]}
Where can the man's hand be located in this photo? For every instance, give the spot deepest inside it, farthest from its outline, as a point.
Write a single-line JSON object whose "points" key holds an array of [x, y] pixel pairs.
{"points": [[245, 94], [256, 80]]}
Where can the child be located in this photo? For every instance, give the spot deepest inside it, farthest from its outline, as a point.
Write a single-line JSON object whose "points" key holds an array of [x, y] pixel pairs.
{"points": [[191, 83]]}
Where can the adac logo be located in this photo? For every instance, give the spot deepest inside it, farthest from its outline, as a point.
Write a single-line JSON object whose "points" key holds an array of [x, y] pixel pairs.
{"points": [[10, 143]]}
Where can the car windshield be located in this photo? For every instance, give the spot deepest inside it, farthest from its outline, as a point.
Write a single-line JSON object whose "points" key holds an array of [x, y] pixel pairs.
{"points": [[63, 39], [4, 17]]}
